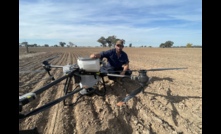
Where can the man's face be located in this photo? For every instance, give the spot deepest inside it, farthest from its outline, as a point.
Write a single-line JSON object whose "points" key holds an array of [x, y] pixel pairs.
{"points": [[119, 46]]}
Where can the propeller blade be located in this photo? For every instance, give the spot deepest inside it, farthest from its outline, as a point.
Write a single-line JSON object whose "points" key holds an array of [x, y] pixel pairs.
{"points": [[130, 96], [68, 65], [35, 82], [51, 58], [118, 75], [56, 66], [161, 69], [36, 71], [154, 69]]}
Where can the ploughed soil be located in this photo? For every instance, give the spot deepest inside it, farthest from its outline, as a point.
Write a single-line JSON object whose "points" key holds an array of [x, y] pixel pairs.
{"points": [[170, 104]]}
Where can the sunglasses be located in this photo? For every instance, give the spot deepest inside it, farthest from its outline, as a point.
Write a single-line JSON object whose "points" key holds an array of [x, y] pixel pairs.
{"points": [[119, 45]]}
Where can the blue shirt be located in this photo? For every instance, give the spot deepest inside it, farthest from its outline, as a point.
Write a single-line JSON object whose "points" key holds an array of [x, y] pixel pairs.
{"points": [[113, 59]]}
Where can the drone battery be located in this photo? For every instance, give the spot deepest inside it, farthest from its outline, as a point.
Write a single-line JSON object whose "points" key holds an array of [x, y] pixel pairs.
{"points": [[88, 64]]}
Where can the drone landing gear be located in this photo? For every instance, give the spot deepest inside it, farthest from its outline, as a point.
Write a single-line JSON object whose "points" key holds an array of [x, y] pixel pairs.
{"points": [[87, 91], [84, 91], [94, 90]]}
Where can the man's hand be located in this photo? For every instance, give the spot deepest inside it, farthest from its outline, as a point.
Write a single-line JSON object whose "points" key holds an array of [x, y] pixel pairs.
{"points": [[122, 73], [94, 56], [125, 67], [120, 103]]}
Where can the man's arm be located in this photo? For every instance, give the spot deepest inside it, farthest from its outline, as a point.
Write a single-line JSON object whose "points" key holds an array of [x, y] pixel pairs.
{"points": [[103, 54], [125, 68], [95, 56]]}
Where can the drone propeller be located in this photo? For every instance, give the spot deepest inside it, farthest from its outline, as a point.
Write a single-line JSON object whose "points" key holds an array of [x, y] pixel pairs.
{"points": [[118, 75], [36, 71], [56, 66], [44, 62], [143, 79], [155, 69], [51, 58], [36, 81], [131, 95], [40, 71], [161, 69]]}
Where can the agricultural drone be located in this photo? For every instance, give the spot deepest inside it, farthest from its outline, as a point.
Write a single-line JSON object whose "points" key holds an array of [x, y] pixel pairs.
{"points": [[85, 74]]}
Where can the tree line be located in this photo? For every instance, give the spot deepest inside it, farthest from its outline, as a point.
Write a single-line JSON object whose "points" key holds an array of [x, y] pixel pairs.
{"points": [[110, 42]]}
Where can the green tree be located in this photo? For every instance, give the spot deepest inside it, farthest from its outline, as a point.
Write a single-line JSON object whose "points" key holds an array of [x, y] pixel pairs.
{"points": [[162, 45], [122, 40], [167, 44], [62, 44], [71, 44], [111, 40], [103, 41], [188, 45]]}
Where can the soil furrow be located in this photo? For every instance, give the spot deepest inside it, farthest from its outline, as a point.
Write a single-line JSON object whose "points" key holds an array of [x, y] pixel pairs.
{"points": [[171, 104]]}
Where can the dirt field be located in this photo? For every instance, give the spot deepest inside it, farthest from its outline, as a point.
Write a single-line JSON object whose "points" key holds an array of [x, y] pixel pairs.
{"points": [[171, 104]]}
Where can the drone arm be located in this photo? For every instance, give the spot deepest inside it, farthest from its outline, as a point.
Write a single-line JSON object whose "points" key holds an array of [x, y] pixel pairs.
{"points": [[50, 104], [28, 97]]}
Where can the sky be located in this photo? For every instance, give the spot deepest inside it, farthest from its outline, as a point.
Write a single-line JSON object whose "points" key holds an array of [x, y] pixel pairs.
{"points": [[83, 22]]}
